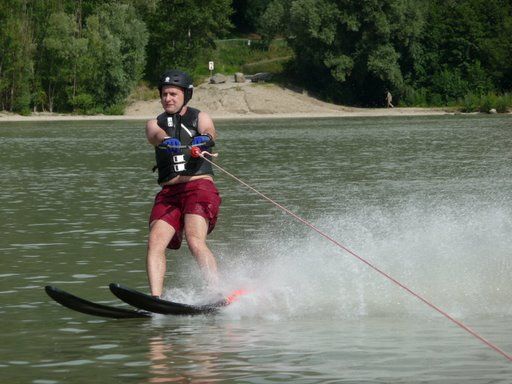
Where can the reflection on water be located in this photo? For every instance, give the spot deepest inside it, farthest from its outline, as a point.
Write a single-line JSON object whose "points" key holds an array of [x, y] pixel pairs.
{"points": [[428, 200]]}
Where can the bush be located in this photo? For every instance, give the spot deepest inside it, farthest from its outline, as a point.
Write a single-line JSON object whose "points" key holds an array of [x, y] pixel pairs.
{"points": [[436, 100], [272, 66], [82, 103], [21, 103], [25, 111], [484, 103], [478, 79], [488, 102], [143, 91], [116, 109], [504, 103], [470, 103], [413, 97], [449, 85]]}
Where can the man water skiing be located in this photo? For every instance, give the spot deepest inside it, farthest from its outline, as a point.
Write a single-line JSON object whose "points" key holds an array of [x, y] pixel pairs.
{"points": [[188, 202]]}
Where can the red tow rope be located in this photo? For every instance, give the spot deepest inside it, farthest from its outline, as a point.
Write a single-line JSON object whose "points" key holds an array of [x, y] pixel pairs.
{"points": [[197, 152]]}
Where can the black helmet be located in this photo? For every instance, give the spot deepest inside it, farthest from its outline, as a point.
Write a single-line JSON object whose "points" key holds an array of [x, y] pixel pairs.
{"points": [[178, 79]]}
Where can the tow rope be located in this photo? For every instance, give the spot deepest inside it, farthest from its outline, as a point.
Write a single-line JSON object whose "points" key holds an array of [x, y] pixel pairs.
{"points": [[197, 153]]}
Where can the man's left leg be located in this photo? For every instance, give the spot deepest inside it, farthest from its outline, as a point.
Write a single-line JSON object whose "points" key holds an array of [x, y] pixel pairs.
{"points": [[196, 230]]}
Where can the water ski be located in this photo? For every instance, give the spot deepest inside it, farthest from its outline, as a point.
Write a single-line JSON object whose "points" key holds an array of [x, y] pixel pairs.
{"points": [[152, 304], [90, 308]]}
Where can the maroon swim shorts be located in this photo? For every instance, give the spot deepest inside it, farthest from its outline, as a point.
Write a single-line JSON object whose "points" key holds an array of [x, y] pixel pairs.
{"points": [[199, 197]]}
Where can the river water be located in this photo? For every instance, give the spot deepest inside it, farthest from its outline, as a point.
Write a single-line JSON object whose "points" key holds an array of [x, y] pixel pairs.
{"points": [[428, 200]]}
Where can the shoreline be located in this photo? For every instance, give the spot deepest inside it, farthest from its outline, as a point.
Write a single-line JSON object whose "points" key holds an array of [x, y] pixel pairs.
{"points": [[372, 112], [243, 101]]}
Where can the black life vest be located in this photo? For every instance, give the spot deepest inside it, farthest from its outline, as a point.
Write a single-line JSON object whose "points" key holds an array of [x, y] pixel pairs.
{"points": [[184, 128]]}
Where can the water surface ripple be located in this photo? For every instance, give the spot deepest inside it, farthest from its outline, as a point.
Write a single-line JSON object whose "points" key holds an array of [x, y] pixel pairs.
{"points": [[427, 199]]}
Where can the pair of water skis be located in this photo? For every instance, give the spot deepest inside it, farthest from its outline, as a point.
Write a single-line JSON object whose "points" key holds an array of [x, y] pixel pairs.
{"points": [[145, 305]]}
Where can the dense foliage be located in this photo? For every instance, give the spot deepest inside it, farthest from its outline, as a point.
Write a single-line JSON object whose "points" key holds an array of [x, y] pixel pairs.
{"points": [[182, 31], [426, 52], [88, 55]]}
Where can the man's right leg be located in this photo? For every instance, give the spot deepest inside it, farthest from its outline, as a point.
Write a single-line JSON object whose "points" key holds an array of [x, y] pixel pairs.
{"points": [[160, 234]]}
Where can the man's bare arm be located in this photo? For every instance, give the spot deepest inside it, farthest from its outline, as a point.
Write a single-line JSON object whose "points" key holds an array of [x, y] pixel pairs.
{"points": [[154, 133], [206, 125]]}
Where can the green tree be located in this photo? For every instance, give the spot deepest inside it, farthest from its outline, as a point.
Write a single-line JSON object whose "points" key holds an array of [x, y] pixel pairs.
{"points": [[349, 50], [61, 52], [182, 30], [469, 45], [50, 60], [16, 56], [41, 16], [271, 21], [115, 58], [247, 14]]}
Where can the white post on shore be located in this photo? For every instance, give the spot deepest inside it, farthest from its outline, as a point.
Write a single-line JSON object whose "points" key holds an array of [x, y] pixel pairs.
{"points": [[211, 66]]}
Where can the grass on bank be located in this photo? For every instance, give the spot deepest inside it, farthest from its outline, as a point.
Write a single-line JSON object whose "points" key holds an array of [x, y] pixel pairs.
{"points": [[248, 56], [486, 103], [471, 102], [143, 92]]}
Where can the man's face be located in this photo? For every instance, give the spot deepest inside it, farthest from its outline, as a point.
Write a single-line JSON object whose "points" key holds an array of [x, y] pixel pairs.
{"points": [[172, 98]]}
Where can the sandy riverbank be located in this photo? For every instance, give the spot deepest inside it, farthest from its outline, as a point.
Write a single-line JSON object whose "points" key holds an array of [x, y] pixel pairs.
{"points": [[243, 101]]}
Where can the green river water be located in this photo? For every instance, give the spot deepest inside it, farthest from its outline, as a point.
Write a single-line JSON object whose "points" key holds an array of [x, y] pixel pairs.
{"points": [[428, 200]]}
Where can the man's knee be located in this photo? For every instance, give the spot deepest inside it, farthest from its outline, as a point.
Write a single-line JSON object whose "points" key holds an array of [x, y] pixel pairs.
{"points": [[196, 230], [195, 241], [160, 234]]}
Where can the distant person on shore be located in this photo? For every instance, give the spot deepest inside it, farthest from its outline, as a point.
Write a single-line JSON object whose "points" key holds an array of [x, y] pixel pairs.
{"points": [[188, 202], [389, 99]]}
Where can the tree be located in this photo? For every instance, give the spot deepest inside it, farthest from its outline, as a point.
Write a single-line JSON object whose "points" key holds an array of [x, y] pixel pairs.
{"points": [[181, 30], [114, 63], [61, 51], [467, 45], [50, 59], [349, 50], [246, 14], [16, 60]]}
